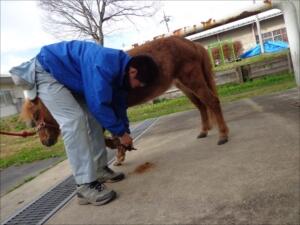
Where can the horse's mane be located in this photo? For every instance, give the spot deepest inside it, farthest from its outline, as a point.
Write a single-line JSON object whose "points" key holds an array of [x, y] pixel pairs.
{"points": [[26, 113]]}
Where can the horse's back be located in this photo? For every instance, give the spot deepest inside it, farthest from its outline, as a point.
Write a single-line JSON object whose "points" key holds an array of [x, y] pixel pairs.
{"points": [[172, 55], [166, 49]]}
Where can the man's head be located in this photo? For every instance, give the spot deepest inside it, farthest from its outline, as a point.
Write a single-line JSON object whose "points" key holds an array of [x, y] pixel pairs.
{"points": [[141, 71]]}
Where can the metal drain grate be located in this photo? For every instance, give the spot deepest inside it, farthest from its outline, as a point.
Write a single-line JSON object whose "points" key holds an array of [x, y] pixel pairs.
{"points": [[39, 211]]}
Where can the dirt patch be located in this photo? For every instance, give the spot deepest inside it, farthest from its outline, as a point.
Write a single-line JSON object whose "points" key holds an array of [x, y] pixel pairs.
{"points": [[143, 167]]}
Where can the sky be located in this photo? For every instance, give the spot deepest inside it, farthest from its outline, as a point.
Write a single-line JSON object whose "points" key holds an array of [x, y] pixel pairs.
{"points": [[22, 34]]}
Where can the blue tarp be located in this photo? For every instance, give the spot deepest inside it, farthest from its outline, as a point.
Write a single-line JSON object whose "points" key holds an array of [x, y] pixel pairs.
{"points": [[269, 46]]}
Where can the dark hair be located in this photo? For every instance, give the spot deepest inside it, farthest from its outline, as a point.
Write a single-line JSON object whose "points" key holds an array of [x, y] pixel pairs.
{"points": [[146, 67]]}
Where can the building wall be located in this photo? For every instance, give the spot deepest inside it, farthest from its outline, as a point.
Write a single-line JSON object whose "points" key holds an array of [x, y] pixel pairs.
{"points": [[273, 30], [11, 99], [271, 24], [208, 40], [246, 34], [8, 110], [242, 34]]}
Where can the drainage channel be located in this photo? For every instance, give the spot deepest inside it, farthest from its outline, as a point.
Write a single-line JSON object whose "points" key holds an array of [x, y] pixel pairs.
{"points": [[39, 211]]}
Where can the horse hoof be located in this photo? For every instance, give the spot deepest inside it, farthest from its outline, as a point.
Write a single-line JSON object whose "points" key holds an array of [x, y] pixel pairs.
{"points": [[202, 135], [223, 141]]}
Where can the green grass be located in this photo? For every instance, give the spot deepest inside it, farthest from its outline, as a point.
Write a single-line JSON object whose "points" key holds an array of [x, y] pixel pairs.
{"points": [[164, 107], [264, 85], [227, 92], [16, 151], [12, 123], [32, 152]]}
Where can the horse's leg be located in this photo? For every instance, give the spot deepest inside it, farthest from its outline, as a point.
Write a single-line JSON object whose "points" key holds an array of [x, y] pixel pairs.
{"points": [[201, 107], [208, 98], [195, 81], [120, 157]]}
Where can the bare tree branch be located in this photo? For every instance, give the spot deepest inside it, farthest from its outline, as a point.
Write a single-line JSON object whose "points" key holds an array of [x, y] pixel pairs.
{"points": [[88, 18]]}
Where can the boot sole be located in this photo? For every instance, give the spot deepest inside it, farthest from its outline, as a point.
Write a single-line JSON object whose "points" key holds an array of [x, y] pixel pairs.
{"points": [[111, 196]]}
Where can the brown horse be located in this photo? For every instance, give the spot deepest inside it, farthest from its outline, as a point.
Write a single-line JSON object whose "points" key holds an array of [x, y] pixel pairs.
{"points": [[187, 65], [181, 62], [35, 113]]}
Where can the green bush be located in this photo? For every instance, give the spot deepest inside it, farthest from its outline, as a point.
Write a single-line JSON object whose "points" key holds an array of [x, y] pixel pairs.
{"points": [[12, 123]]}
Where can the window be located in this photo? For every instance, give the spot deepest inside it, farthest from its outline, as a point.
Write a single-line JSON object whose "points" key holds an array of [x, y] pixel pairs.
{"points": [[284, 35], [276, 35], [5, 98], [266, 35], [276, 32], [285, 38], [278, 38]]}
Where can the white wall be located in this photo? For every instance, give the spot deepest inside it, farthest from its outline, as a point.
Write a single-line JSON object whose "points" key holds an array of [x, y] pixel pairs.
{"points": [[245, 34], [8, 110]]}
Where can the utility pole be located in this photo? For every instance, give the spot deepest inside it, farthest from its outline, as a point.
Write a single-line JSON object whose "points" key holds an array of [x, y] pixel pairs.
{"points": [[166, 19]]}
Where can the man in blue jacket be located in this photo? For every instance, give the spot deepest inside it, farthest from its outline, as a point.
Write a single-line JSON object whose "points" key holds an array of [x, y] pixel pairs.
{"points": [[85, 87]]}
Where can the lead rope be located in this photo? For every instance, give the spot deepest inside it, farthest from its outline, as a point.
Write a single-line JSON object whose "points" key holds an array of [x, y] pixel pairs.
{"points": [[23, 134]]}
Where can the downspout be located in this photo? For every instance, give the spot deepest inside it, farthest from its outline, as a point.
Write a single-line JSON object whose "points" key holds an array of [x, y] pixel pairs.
{"points": [[262, 49]]}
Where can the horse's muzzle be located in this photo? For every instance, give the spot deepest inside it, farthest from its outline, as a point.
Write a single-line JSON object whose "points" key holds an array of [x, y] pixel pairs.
{"points": [[49, 142]]}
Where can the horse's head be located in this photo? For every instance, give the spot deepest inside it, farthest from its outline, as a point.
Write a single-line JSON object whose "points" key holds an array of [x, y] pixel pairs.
{"points": [[36, 113]]}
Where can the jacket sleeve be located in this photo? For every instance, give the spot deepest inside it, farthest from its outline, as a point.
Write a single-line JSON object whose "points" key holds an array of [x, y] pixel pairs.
{"points": [[98, 95]]}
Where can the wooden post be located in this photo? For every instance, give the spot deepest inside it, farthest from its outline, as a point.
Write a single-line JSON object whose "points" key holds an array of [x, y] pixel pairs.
{"points": [[290, 64]]}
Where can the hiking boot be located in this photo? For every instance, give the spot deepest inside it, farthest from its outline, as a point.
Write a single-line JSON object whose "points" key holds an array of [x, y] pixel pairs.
{"points": [[94, 193], [109, 176]]}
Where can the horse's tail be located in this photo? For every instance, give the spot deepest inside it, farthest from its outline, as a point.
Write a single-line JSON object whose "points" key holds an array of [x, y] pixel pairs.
{"points": [[207, 69], [209, 78]]}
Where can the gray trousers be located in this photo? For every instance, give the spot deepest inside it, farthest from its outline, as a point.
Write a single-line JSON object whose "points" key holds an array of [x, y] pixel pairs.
{"points": [[82, 134]]}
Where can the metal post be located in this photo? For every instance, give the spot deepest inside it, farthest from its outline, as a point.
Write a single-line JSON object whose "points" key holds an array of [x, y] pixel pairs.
{"points": [[211, 57], [222, 53], [262, 49], [290, 64], [290, 11], [231, 42]]}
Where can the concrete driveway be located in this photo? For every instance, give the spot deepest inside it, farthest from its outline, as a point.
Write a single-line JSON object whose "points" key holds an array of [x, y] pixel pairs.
{"points": [[175, 178]]}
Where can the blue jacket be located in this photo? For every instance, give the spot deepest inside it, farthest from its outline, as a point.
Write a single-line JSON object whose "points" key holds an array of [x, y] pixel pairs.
{"points": [[95, 72]]}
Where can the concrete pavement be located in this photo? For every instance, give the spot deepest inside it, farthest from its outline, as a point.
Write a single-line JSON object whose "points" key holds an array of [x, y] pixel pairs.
{"points": [[175, 178], [30, 191], [16, 175]]}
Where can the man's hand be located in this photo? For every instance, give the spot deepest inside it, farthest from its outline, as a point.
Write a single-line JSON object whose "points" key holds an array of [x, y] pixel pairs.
{"points": [[126, 140]]}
